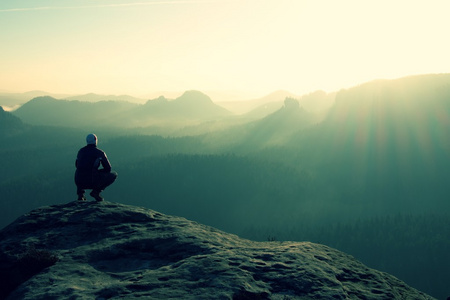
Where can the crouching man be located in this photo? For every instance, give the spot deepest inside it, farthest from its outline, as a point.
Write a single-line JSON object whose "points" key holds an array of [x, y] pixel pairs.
{"points": [[88, 175]]}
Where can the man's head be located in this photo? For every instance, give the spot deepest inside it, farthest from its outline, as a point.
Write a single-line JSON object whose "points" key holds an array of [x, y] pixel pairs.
{"points": [[91, 139]]}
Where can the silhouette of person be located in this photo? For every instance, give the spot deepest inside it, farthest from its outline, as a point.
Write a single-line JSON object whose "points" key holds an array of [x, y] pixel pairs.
{"points": [[88, 175]]}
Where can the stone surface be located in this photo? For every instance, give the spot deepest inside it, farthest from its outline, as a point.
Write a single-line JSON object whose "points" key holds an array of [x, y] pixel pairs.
{"points": [[114, 251]]}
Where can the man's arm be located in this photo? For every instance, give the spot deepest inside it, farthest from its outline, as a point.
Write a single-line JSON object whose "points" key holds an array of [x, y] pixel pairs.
{"points": [[105, 163]]}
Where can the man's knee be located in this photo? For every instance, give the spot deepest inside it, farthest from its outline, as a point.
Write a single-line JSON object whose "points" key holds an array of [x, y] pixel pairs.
{"points": [[112, 176]]}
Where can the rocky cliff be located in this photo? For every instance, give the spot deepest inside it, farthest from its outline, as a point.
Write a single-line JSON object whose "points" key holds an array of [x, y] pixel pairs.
{"points": [[111, 251]]}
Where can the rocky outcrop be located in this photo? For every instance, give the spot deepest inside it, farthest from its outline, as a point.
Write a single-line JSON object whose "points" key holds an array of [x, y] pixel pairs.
{"points": [[111, 251]]}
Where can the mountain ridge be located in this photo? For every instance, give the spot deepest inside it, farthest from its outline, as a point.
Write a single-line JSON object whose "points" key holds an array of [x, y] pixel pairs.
{"points": [[13, 100], [93, 97], [10, 124], [274, 99], [191, 106], [111, 250]]}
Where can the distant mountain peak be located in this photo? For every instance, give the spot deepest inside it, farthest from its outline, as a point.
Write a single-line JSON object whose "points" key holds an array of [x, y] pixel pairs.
{"points": [[194, 93], [194, 97], [159, 100], [43, 98], [291, 103], [110, 250]]}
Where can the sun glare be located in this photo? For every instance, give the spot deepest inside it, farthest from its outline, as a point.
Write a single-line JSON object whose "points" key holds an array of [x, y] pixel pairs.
{"points": [[252, 46]]}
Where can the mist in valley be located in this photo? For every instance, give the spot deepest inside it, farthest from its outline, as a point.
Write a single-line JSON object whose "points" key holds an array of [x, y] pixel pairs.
{"points": [[364, 170]]}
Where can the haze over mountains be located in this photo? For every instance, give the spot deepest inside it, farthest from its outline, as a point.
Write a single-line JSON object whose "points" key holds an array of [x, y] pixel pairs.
{"points": [[191, 106], [389, 137], [364, 169], [11, 101]]}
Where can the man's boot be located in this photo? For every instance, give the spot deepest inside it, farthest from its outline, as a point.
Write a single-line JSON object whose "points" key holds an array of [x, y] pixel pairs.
{"points": [[80, 193], [96, 195]]}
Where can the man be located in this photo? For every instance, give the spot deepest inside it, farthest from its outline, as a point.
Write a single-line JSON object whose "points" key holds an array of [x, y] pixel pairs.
{"points": [[88, 175]]}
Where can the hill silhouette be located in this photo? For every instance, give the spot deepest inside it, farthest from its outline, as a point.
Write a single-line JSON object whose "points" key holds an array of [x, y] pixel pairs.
{"points": [[55, 112], [10, 124], [113, 251], [318, 101], [272, 101], [15, 99], [278, 127], [274, 130], [191, 106]]}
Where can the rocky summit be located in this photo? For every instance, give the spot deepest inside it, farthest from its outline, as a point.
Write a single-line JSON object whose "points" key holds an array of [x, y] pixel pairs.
{"points": [[113, 251]]}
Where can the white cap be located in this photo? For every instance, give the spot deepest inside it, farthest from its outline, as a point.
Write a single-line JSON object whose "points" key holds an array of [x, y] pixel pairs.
{"points": [[91, 139]]}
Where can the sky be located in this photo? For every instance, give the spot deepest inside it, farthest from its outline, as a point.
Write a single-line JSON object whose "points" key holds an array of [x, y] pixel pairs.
{"points": [[241, 47]]}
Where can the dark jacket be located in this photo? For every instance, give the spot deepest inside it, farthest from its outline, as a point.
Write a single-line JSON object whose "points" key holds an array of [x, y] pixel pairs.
{"points": [[88, 161]]}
